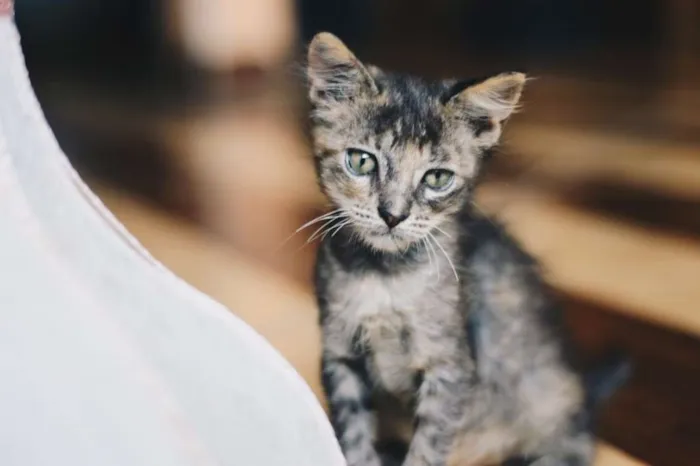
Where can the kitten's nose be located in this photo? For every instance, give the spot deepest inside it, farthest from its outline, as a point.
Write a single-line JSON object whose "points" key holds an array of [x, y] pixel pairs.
{"points": [[390, 219]]}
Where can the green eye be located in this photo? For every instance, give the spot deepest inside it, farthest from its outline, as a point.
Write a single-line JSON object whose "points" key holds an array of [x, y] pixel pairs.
{"points": [[360, 163], [438, 179]]}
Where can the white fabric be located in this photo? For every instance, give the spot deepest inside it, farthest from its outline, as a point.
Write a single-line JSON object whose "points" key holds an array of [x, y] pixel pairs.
{"points": [[106, 358]]}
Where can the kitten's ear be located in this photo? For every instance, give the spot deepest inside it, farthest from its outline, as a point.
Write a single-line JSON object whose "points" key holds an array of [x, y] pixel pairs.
{"points": [[494, 98], [334, 72]]}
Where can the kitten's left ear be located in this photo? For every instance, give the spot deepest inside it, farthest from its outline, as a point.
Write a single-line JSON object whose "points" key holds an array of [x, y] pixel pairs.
{"points": [[494, 98], [334, 72]]}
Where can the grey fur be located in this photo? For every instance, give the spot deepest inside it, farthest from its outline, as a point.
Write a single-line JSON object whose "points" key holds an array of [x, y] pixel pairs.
{"points": [[444, 312]]}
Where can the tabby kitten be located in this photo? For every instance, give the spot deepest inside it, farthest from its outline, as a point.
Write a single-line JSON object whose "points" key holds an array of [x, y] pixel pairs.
{"points": [[421, 298]]}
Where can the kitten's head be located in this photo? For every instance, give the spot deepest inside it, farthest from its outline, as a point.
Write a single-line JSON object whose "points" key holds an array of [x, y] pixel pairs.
{"points": [[399, 155]]}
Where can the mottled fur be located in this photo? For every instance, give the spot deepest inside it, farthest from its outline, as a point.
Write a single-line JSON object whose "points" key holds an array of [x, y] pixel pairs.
{"points": [[443, 312]]}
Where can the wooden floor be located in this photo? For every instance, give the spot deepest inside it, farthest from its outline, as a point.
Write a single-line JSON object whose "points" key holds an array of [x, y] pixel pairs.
{"points": [[656, 417]]}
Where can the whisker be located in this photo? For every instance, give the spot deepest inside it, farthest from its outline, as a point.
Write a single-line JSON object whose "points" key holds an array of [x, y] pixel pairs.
{"points": [[332, 213], [443, 231], [319, 233], [446, 255], [320, 218], [434, 252], [334, 229], [427, 251], [327, 224], [339, 227]]}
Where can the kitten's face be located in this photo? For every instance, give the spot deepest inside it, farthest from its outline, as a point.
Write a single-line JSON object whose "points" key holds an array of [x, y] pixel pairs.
{"points": [[397, 155]]}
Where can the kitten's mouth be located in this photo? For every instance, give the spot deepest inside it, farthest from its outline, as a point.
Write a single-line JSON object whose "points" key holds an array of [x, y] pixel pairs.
{"points": [[386, 232], [388, 240], [392, 235]]}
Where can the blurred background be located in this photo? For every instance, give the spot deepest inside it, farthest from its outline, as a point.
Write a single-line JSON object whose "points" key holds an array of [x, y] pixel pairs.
{"points": [[188, 119]]}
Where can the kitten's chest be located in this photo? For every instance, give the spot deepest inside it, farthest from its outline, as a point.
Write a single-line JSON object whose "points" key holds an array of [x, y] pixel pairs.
{"points": [[390, 313]]}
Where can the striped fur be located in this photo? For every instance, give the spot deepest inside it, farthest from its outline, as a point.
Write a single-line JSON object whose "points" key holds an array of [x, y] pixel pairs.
{"points": [[421, 299]]}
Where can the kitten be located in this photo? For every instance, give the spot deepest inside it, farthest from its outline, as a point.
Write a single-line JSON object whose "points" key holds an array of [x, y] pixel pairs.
{"points": [[421, 298]]}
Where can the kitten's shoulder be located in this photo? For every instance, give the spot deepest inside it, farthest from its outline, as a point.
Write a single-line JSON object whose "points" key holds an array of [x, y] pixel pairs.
{"points": [[485, 239]]}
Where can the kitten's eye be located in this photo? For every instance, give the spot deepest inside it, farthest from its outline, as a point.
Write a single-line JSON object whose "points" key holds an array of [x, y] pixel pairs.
{"points": [[438, 179], [359, 162]]}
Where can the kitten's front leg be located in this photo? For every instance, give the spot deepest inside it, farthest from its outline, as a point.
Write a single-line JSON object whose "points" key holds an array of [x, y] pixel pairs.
{"points": [[349, 396], [442, 399]]}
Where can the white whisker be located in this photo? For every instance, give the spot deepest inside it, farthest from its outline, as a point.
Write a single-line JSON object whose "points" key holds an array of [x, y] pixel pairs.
{"points": [[427, 251], [432, 249], [332, 213], [320, 232], [443, 231], [327, 224], [337, 228], [337, 213], [446, 255]]}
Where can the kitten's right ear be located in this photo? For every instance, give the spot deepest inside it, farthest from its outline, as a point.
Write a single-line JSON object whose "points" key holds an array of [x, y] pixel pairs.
{"points": [[334, 72]]}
